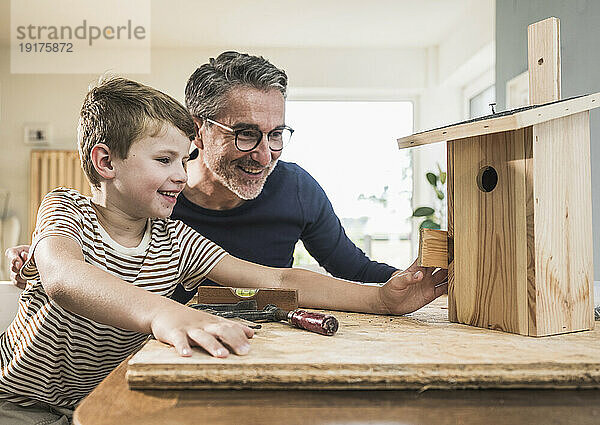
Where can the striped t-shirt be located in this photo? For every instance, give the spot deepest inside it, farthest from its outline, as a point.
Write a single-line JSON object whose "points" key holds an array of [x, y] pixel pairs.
{"points": [[51, 355]]}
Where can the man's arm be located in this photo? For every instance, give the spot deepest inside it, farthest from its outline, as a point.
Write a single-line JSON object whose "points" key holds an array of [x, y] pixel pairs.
{"points": [[403, 293], [93, 293], [17, 256]]}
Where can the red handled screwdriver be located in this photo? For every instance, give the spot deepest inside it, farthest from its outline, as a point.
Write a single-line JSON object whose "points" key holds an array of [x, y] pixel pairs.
{"points": [[324, 324]]}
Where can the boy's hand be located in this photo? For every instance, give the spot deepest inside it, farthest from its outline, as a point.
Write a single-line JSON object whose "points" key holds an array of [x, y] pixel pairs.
{"points": [[411, 289], [188, 327], [17, 255]]}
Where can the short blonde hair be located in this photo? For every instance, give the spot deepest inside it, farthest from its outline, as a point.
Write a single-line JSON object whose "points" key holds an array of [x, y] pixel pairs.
{"points": [[118, 112]]}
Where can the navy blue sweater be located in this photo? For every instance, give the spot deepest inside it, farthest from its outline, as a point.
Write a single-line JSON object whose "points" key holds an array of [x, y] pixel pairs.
{"points": [[291, 207]]}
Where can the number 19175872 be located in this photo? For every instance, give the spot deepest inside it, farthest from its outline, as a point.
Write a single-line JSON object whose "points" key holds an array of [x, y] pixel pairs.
{"points": [[46, 47]]}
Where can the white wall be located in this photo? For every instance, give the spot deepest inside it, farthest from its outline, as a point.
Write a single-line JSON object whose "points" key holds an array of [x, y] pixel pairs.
{"points": [[463, 61], [56, 99], [327, 73], [9, 297]]}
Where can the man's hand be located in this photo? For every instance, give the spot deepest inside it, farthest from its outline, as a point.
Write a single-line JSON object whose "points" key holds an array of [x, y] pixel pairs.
{"points": [[188, 327], [411, 289], [17, 256]]}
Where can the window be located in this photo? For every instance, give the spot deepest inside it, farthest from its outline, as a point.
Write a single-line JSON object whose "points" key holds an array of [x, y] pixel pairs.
{"points": [[479, 105], [350, 149]]}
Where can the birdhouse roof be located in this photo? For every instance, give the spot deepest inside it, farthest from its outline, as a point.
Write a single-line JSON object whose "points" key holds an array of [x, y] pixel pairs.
{"points": [[503, 121]]}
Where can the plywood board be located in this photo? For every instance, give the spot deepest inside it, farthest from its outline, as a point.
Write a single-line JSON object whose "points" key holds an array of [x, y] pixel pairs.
{"points": [[420, 350], [563, 225], [504, 121]]}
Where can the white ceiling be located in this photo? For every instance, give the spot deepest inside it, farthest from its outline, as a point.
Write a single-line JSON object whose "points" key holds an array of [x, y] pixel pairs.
{"points": [[301, 23], [306, 23]]}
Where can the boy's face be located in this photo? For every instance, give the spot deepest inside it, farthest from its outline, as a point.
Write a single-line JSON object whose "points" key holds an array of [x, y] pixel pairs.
{"points": [[149, 180]]}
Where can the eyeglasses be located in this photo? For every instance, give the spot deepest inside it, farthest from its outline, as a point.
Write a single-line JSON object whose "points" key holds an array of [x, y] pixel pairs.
{"points": [[248, 138]]}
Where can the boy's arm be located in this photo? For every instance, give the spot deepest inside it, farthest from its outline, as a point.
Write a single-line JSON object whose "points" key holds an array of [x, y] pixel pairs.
{"points": [[93, 293], [405, 291]]}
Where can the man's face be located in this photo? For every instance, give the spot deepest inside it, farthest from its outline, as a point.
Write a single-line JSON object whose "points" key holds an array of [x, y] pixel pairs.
{"points": [[243, 173]]}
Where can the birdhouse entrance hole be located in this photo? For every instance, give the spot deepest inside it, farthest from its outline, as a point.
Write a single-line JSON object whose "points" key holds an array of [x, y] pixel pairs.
{"points": [[487, 179]]}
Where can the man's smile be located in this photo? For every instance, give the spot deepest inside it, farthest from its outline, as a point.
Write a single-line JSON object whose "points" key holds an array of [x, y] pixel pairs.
{"points": [[251, 170]]}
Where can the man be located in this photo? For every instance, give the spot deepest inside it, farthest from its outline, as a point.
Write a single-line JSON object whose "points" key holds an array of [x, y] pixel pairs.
{"points": [[240, 196]]}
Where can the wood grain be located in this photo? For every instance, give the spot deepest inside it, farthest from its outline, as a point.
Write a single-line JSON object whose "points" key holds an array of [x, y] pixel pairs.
{"points": [[543, 57], [530, 225], [515, 121], [380, 352], [433, 248], [490, 245], [112, 402], [49, 170], [450, 146], [563, 225]]}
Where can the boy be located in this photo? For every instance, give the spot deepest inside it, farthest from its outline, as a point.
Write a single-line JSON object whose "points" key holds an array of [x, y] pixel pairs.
{"points": [[98, 266]]}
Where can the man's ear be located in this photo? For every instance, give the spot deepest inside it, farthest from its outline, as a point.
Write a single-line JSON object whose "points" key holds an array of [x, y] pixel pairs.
{"points": [[198, 126], [102, 161]]}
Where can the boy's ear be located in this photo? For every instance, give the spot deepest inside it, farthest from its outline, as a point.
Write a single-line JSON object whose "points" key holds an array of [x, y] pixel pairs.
{"points": [[102, 160], [198, 125]]}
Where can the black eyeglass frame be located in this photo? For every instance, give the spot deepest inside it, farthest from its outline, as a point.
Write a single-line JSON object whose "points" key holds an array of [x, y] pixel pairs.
{"points": [[238, 131]]}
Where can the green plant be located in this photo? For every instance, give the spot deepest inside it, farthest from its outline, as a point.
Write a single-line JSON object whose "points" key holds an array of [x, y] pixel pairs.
{"points": [[383, 199], [433, 215]]}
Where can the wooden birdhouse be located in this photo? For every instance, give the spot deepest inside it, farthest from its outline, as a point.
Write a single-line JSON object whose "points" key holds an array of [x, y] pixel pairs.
{"points": [[520, 206]]}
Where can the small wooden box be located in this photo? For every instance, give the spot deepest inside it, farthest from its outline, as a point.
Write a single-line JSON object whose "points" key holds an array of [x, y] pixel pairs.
{"points": [[286, 299]]}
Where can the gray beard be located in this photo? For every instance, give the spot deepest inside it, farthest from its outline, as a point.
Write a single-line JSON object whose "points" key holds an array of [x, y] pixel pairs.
{"points": [[225, 174]]}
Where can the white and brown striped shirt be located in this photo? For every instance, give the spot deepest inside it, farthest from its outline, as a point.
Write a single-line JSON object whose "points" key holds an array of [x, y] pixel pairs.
{"points": [[52, 355]]}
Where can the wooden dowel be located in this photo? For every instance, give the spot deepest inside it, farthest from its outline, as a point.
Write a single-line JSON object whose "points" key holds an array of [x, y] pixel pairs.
{"points": [[433, 248]]}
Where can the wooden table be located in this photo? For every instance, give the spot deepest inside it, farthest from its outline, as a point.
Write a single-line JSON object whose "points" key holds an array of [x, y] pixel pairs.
{"points": [[112, 402]]}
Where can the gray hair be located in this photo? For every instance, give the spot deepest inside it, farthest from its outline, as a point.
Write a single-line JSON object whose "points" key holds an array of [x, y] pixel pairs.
{"points": [[208, 86]]}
